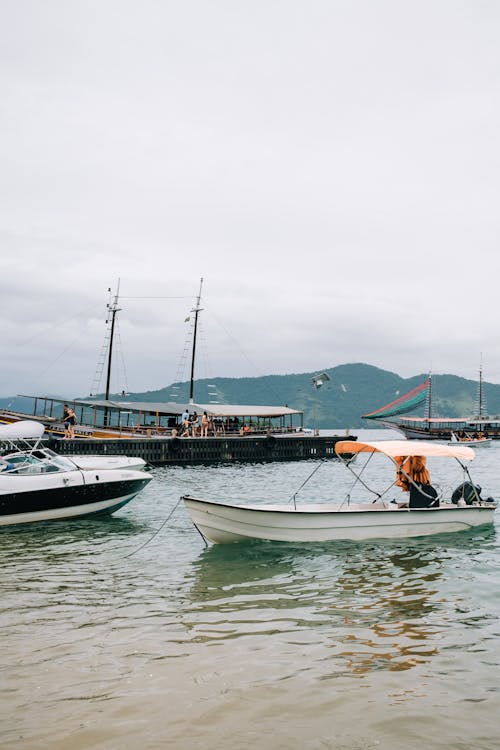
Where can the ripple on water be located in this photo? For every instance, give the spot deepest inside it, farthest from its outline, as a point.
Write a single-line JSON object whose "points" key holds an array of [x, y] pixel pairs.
{"points": [[124, 637]]}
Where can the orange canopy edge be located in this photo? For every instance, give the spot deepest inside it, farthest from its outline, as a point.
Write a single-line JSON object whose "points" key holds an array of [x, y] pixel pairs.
{"points": [[395, 448]]}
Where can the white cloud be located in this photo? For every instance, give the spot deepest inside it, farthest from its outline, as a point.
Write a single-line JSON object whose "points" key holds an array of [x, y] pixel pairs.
{"points": [[330, 169]]}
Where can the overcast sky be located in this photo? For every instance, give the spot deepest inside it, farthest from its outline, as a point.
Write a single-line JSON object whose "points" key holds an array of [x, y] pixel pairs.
{"points": [[330, 168]]}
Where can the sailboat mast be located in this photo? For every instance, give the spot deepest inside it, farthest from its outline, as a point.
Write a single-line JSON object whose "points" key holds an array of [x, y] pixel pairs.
{"points": [[480, 390], [429, 399], [196, 311], [113, 309]]}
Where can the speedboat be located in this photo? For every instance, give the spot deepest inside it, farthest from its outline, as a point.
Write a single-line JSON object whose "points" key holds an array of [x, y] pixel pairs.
{"points": [[424, 512], [36, 484], [95, 462], [25, 431]]}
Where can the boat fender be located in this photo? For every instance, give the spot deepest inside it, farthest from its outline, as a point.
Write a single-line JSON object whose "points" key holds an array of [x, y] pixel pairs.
{"points": [[270, 442], [468, 492]]}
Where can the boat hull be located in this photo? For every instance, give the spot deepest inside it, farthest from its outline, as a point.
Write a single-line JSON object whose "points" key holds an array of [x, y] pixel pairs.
{"points": [[472, 443], [90, 463], [442, 431], [66, 496], [223, 523]]}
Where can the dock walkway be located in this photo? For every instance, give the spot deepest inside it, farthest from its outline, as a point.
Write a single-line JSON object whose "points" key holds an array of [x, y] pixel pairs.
{"points": [[198, 450]]}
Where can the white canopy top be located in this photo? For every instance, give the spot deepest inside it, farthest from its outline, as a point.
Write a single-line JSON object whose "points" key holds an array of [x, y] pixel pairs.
{"points": [[395, 448], [24, 429], [169, 408]]}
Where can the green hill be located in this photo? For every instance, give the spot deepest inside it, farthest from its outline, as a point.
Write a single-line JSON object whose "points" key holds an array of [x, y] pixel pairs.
{"points": [[353, 390]]}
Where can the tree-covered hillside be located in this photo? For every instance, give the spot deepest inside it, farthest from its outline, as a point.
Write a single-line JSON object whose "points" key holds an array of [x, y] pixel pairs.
{"points": [[353, 390]]}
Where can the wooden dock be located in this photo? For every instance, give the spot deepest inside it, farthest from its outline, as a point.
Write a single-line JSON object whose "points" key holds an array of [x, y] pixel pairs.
{"points": [[190, 451]]}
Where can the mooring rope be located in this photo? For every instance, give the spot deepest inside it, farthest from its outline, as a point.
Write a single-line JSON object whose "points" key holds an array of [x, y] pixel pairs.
{"points": [[157, 531]]}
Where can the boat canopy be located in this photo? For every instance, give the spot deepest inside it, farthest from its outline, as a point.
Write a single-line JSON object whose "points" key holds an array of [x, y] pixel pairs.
{"points": [[395, 448], [174, 409], [25, 429], [214, 410]]}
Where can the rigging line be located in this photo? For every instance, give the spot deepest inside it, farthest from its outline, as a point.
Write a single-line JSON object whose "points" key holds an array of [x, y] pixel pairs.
{"points": [[184, 297], [62, 322], [252, 364], [124, 384], [156, 532], [62, 353]]}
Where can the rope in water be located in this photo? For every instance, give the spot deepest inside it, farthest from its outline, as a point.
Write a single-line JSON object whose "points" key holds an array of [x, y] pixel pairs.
{"points": [[156, 532]]}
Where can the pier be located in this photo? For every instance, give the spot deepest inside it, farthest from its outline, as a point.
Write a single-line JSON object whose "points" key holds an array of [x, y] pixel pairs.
{"points": [[190, 451]]}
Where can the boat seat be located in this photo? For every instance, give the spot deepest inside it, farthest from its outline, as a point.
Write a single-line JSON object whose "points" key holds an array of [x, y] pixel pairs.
{"points": [[423, 496]]}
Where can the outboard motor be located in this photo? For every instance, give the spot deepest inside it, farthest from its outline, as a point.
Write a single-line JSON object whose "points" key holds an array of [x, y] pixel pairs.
{"points": [[468, 492]]}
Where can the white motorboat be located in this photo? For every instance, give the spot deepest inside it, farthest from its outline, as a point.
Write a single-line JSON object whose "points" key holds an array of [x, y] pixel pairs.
{"points": [[25, 431], [423, 514], [36, 484]]}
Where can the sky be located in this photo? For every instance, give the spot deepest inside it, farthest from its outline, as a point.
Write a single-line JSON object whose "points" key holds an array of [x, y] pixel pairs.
{"points": [[330, 168]]}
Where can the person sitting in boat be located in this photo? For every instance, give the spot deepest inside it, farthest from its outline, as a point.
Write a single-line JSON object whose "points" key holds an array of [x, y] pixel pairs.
{"points": [[412, 475]]}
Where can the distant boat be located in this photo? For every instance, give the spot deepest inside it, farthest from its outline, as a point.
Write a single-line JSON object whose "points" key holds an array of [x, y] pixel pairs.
{"points": [[424, 514], [473, 442], [394, 415]]}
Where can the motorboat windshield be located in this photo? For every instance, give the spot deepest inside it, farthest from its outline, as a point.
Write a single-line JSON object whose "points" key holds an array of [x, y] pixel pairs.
{"points": [[29, 463]]}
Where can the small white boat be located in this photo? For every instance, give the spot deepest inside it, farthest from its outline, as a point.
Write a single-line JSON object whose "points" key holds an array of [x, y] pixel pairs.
{"points": [[36, 484], [321, 522], [472, 442]]}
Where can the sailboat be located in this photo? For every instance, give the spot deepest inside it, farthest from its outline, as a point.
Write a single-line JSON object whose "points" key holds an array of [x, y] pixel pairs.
{"points": [[475, 430], [112, 418]]}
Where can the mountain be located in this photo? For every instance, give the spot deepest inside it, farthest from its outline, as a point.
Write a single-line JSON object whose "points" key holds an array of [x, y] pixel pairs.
{"points": [[353, 390]]}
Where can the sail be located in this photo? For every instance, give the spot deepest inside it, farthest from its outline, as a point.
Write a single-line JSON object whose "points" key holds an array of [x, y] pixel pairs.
{"points": [[403, 404]]}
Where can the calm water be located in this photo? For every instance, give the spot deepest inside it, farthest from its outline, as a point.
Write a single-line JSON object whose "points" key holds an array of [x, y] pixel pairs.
{"points": [[117, 638]]}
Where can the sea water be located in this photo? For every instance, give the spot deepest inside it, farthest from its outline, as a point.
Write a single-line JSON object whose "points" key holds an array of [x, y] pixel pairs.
{"points": [[129, 632]]}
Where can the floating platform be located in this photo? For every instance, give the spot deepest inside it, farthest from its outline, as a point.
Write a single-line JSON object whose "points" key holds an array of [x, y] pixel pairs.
{"points": [[190, 451]]}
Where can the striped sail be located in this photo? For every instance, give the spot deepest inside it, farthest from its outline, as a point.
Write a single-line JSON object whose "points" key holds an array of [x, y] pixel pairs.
{"points": [[403, 404]]}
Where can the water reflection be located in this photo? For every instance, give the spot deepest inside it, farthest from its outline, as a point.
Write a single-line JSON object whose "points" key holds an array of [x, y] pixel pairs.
{"points": [[375, 606], [48, 542], [161, 641]]}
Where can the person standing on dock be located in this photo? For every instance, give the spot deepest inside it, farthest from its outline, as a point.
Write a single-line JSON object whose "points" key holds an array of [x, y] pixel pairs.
{"points": [[69, 432], [194, 424], [204, 425], [65, 420], [185, 424]]}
